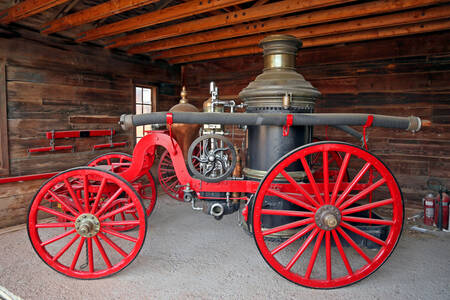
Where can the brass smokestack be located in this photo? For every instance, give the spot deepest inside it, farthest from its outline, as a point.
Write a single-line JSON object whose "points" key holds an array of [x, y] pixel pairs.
{"points": [[280, 78]]}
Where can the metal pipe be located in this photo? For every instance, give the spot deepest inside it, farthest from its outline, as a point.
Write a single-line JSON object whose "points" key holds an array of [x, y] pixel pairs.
{"points": [[279, 119], [353, 132]]}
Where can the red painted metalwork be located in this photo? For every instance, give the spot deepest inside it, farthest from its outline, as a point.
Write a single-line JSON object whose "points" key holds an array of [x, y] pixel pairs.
{"points": [[168, 178], [79, 133], [112, 145], [289, 120], [343, 202], [328, 185], [169, 117], [145, 185], [367, 125], [50, 149], [93, 194], [27, 177]]}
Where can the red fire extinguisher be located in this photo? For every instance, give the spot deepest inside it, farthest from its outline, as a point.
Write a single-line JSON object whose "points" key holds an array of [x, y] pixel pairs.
{"points": [[441, 203], [443, 207], [428, 209]]}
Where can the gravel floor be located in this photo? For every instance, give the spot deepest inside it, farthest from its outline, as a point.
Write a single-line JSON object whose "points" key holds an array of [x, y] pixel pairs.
{"points": [[189, 255]]}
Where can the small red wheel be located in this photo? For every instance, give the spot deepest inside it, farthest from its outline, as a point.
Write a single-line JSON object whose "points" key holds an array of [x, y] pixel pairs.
{"points": [[118, 162], [339, 232], [60, 227], [168, 178]]}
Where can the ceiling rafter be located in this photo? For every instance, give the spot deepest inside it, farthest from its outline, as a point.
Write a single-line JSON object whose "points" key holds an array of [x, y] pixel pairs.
{"points": [[64, 10], [152, 18], [236, 17], [396, 19], [259, 3], [26, 9], [310, 18], [92, 14], [364, 35]]}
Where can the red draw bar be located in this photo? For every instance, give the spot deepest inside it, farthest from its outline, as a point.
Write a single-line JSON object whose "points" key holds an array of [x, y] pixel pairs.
{"points": [[79, 133]]}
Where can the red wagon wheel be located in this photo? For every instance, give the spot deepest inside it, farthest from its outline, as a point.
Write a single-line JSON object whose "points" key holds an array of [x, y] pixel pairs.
{"points": [[61, 226], [168, 178], [118, 162], [339, 234]]}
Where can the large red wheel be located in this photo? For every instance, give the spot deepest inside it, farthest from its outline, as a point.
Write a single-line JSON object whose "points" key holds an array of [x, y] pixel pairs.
{"points": [[63, 225], [118, 162], [168, 178], [339, 232]]}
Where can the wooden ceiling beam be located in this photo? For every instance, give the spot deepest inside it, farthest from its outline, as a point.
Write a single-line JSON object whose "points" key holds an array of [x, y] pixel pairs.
{"points": [[175, 12], [236, 17], [259, 3], [364, 35], [92, 14], [27, 8], [396, 19], [311, 18]]}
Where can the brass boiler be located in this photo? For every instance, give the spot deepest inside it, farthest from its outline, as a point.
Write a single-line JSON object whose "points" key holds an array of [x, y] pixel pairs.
{"points": [[184, 134], [279, 89]]}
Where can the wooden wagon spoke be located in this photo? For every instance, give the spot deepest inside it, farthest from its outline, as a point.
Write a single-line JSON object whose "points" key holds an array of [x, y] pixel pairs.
{"points": [[116, 211], [311, 179], [354, 245], [119, 235], [75, 199], [112, 244], [363, 234], [362, 194], [352, 184], [99, 196], [341, 175], [367, 206], [291, 199], [56, 213], [63, 203], [315, 251], [293, 238], [57, 238], [102, 252], [65, 248], [342, 252], [77, 253], [302, 249], [299, 188], [287, 226]]}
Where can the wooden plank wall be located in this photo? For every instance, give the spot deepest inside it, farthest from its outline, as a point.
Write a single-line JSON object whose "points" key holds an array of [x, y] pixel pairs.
{"points": [[53, 85], [402, 76]]}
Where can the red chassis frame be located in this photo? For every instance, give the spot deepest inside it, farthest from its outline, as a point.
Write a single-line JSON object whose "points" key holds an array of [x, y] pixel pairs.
{"points": [[143, 158]]}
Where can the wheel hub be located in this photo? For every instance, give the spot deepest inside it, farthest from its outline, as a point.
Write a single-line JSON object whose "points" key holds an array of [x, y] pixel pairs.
{"points": [[87, 225], [328, 217]]}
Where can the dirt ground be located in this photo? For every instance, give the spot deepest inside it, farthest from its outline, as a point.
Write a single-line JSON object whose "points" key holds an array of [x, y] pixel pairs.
{"points": [[189, 255]]}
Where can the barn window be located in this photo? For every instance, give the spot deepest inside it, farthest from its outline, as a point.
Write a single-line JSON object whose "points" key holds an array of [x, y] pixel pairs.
{"points": [[145, 103]]}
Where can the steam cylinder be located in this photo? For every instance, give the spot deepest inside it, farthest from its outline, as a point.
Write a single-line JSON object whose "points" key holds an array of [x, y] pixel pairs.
{"points": [[280, 88]]}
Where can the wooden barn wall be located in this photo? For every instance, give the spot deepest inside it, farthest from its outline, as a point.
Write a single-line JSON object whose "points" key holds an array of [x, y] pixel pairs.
{"points": [[52, 85], [402, 76]]}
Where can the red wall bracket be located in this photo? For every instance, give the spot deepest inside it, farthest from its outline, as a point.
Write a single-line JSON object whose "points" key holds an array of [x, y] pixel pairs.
{"points": [[50, 149], [111, 145]]}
